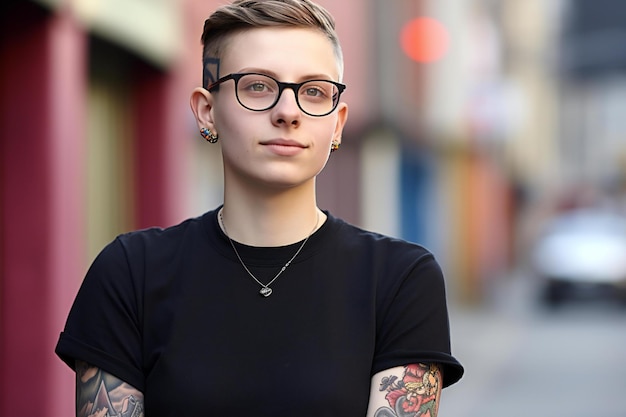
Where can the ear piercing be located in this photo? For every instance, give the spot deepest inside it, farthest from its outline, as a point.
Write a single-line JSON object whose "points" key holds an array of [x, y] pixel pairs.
{"points": [[334, 146], [208, 135]]}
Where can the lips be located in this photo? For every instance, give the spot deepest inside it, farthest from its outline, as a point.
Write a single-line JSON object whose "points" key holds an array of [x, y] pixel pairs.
{"points": [[283, 142], [284, 147]]}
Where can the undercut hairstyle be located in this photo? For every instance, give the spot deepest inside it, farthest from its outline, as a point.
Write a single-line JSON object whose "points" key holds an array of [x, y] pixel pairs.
{"points": [[242, 15]]}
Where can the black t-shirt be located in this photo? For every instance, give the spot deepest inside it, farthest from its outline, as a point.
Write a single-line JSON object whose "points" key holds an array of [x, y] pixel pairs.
{"points": [[173, 313]]}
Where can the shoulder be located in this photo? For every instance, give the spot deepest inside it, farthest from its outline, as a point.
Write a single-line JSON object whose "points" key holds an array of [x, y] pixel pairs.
{"points": [[124, 265], [354, 238], [132, 250], [162, 235], [389, 262]]}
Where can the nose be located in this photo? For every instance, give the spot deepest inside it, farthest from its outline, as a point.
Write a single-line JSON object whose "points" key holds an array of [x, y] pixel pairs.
{"points": [[286, 111]]}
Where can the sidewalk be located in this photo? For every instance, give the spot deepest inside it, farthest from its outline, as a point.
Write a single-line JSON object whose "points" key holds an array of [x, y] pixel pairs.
{"points": [[523, 360], [485, 342]]}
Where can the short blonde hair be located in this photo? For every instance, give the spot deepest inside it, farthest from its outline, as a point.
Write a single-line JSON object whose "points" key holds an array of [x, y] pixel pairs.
{"points": [[241, 15]]}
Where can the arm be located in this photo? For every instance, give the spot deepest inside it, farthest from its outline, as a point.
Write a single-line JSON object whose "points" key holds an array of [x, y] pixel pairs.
{"points": [[98, 392], [406, 391]]}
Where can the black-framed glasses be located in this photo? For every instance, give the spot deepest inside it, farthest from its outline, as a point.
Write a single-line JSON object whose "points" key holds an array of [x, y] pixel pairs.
{"points": [[260, 92]]}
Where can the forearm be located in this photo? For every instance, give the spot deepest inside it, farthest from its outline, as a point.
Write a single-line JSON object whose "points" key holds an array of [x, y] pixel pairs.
{"points": [[99, 393]]}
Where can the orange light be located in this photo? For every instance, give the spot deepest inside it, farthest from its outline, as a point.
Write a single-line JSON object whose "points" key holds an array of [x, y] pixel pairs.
{"points": [[424, 39]]}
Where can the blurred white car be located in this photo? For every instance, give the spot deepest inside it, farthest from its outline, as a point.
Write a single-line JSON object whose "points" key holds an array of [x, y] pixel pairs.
{"points": [[580, 253]]}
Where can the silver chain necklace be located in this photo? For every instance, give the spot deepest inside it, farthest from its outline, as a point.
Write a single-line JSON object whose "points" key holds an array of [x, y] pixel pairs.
{"points": [[265, 290]]}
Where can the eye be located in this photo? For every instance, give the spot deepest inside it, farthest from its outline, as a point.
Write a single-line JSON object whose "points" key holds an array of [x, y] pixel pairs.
{"points": [[313, 92], [257, 84], [317, 89]]}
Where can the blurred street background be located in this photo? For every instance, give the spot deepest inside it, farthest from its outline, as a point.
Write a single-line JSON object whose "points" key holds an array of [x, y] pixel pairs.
{"points": [[523, 358], [493, 132]]}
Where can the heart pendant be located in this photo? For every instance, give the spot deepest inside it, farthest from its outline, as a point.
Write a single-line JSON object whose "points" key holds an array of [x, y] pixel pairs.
{"points": [[266, 291]]}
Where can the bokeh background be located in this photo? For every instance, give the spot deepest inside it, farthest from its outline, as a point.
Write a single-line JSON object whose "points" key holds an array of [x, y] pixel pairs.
{"points": [[473, 124]]}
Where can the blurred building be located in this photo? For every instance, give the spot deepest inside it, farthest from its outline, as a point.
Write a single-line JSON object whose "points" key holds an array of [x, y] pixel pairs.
{"points": [[445, 119], [592, 69], [97, 138]]}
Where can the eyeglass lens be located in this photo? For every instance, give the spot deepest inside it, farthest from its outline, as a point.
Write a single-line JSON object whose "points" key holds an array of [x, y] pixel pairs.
{"points": [[260, 92]]}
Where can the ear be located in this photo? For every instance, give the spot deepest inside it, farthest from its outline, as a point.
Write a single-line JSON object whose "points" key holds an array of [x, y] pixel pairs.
{"points": [[342, 117], [201, 103]]}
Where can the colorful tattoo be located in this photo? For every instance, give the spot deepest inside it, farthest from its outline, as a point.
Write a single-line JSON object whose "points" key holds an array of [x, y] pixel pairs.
{"points": [[99, 394], [210, 71], [415, 395]]}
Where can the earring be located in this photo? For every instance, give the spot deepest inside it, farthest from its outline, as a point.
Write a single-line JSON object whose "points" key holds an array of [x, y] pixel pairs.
{"points": [[208, 135], [334, 146]]}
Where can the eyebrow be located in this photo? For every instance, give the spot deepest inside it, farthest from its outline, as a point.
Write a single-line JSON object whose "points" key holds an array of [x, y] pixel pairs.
{"points": [[318, 76]]}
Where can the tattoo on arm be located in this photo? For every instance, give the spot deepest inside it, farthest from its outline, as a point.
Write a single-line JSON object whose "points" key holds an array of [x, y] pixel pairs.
{"points": [[100, 394], [415, 395]]}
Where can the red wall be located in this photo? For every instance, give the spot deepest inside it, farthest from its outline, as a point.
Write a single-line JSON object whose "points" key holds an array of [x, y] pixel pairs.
{"points": [[42, 85]]}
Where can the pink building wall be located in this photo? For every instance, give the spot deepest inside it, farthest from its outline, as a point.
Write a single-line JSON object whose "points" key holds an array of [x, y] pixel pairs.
{"points": [[41, 158]]}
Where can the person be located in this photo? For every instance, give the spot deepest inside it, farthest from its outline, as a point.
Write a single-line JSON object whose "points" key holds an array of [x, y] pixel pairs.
{"points": [[266, 305]]}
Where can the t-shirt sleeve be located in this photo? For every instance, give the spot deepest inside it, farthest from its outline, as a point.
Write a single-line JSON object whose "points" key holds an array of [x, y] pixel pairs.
{"points": [[413, 324], [103, 327]]}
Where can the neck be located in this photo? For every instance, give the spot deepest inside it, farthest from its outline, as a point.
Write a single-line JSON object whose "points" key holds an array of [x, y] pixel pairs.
{"points": [[271, 219]]}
